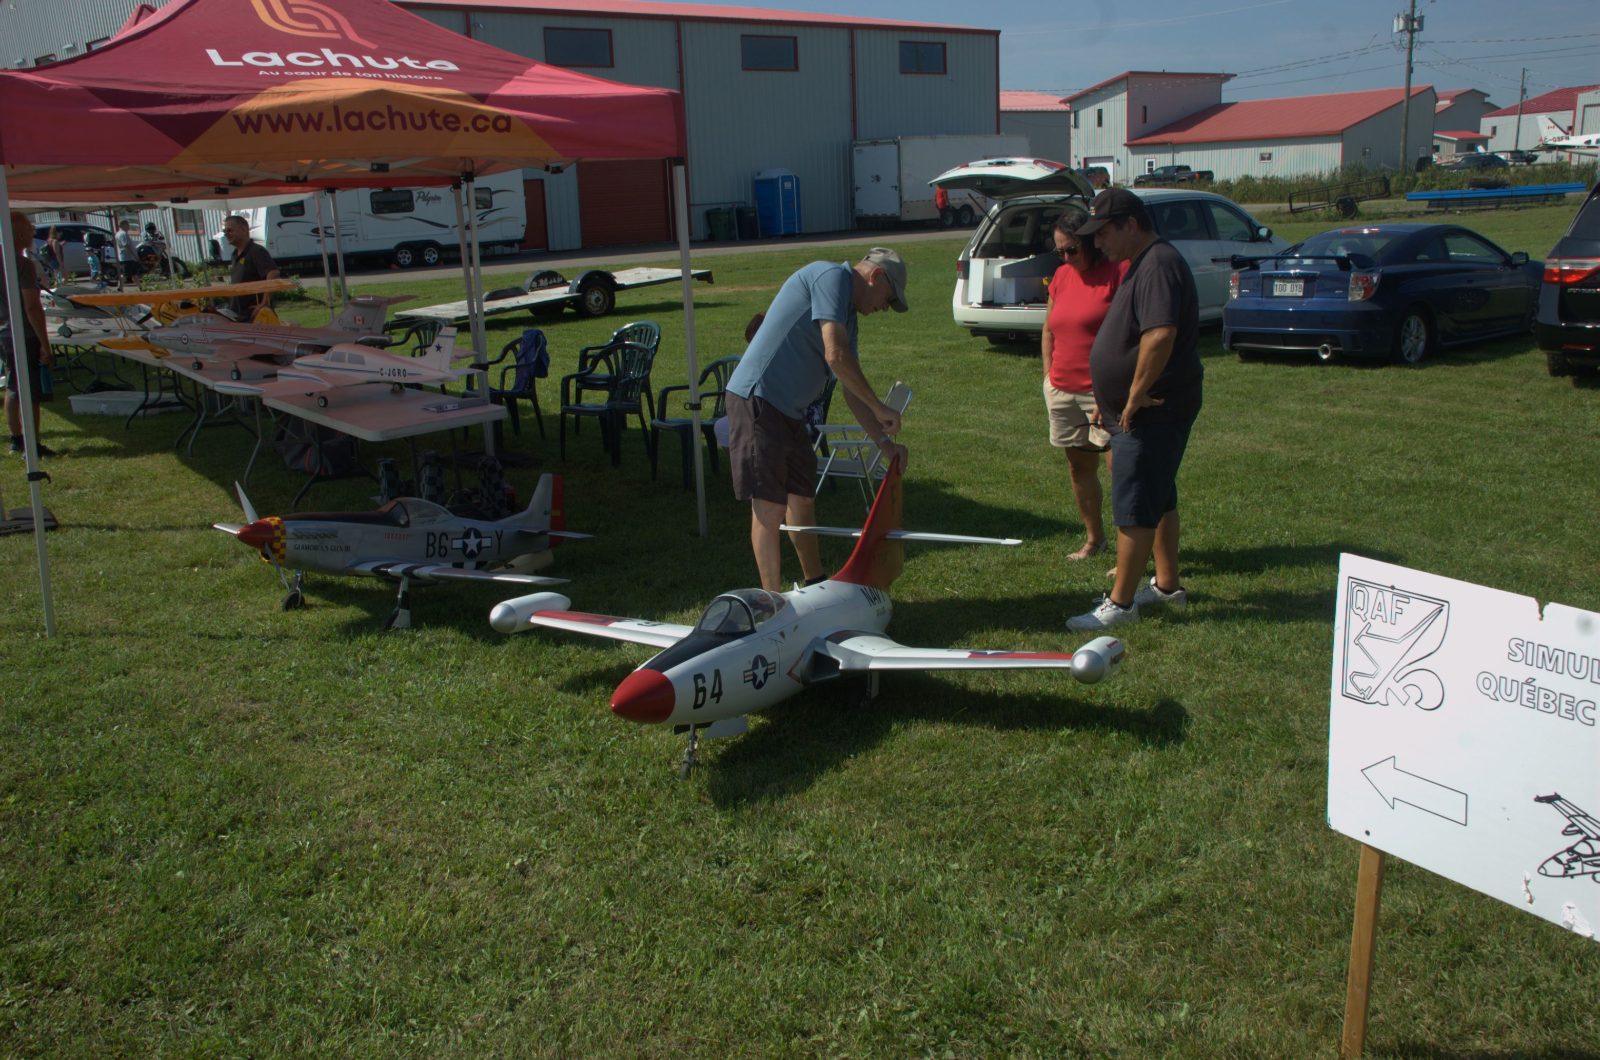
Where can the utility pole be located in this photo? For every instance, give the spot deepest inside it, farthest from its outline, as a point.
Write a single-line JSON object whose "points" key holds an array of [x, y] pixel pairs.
{"points": [[1522, 94], [1410, 25]]}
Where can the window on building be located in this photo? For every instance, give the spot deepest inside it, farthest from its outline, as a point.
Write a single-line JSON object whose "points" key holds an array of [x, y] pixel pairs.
{"points": [[1366, 152], [1144, 115], [1265, 156], [1075, 118], [577, 47], [1492, 129], [96, 43], [922, 57], [392, 200], [41, 60], [1149, 165], [292, 209], [1099, 117], [769, 53]]}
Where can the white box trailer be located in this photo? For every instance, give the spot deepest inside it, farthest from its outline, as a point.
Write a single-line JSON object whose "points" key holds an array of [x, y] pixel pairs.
{"points": [[408, 226], [891, 176]]}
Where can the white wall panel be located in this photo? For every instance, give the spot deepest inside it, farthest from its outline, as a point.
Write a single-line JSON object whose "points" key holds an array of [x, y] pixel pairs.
{"points": [[1049, 135], [964, 99]]}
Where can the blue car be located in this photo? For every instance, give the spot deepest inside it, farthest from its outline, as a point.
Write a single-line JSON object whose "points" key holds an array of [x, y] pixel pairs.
{"points": [[1382, 290]]}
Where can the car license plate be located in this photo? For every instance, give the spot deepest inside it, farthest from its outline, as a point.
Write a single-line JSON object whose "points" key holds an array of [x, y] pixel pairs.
{"points": [[1288, 288]]}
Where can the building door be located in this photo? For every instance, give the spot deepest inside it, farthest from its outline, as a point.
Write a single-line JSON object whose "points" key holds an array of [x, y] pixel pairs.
{"points": [[624, 202], [536, 236]]}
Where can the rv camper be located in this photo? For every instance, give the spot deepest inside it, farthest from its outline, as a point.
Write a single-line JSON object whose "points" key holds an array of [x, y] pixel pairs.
{"points": [[408, 226]]}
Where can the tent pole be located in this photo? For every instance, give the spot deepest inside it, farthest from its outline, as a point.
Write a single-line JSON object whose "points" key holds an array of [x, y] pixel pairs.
{"points": [[30, 437], [338, 248], [322, 245], [480, 337], [680, 194], [457, 191]]}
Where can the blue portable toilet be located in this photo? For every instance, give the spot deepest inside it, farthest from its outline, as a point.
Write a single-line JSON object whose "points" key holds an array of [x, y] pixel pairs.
{"points": [[777, 195]]}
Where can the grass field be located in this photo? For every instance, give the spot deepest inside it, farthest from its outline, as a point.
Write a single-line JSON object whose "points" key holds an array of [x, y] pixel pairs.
{"points": [[230, 830]]}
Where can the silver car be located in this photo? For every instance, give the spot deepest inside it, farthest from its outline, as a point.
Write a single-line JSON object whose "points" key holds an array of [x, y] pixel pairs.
{"points": [[79, 239], [1001, 276]]}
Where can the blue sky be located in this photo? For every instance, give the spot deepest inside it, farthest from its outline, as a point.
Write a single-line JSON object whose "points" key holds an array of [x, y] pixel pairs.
{"points": [[1276, 47]]}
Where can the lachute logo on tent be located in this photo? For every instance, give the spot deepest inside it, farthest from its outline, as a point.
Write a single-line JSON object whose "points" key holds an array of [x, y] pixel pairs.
{"points": [[308, 18]]}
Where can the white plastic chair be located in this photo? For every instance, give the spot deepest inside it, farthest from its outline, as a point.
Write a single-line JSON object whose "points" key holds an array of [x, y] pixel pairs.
{"points": [[846, 451]]}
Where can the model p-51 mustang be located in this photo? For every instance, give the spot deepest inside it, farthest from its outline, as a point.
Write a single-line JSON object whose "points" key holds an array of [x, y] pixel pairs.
{"points": [[1581, 858], [752, 649], [407, 540], [351, 364]]}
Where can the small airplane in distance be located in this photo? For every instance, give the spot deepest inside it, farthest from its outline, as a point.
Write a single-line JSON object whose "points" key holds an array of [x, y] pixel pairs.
{"points": [[1581, 858], [1555, 138], [407, 540], [753, 649], [351, 364]]}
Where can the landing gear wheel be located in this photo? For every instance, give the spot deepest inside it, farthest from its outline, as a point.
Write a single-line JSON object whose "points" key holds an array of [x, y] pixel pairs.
{"points": [[1413, 338], [966, 216], [322, 401], [294, 600], [596, 298], [691, 756]]}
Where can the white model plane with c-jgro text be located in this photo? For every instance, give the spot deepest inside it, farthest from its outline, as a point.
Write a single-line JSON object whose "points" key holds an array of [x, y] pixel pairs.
{"points": [[753, 649], [351, 364], [407, 540]]}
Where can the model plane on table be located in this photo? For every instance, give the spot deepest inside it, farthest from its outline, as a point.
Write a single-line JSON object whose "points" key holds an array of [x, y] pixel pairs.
{"points": [[211, 337], [753, 649], [407, 540], [351, 364]]}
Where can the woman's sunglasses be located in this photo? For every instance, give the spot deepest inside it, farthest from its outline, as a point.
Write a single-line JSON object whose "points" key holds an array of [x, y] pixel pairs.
{"points": [[1067, 252]]}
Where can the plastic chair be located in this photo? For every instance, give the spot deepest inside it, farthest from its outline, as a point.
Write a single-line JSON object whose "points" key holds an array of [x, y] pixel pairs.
{"points": [[846, 451], [591, 373], [530, 362], [411, 335], [626, 392], [713, 402]]}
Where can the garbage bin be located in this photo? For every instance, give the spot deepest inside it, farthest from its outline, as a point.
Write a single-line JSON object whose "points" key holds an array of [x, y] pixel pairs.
{"points": [[745, 216], [719, 224]]}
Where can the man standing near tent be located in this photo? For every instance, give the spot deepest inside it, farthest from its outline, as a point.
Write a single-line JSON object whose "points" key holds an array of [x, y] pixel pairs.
{"points": [[33, 332], [127, 253], [250, 262], [808, 334]]}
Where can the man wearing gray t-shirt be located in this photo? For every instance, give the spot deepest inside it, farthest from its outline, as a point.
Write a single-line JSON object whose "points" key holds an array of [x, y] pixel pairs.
{"points": [[808, 334]]}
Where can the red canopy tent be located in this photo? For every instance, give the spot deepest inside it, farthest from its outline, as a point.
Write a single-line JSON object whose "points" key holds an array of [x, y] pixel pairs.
{"points": [[209, 97]]}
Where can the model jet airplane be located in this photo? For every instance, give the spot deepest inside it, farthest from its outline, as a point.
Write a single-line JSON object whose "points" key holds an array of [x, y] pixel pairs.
{"points": [[752, 649], [1581, 858], [351, 364], [407, 540], [1558, 139]]}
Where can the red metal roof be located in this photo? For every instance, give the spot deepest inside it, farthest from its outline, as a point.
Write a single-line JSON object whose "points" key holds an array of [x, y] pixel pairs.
{"points": [[689, 13], [1144, 73], [1278, 119], [1562, 99], [1461, 135], [1018, 99]]}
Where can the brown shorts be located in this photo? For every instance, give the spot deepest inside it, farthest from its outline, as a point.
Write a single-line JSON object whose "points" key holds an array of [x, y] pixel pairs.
{"points": [[771, 454], [1070, 427]]}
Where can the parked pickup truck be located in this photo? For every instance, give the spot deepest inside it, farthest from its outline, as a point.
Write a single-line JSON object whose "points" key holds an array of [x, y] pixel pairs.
{"points": [[1172, 175]]}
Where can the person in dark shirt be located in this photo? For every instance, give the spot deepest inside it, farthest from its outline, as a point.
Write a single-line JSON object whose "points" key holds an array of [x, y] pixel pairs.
{"points": [[35, 337], [1145, 366], [250, 262]]}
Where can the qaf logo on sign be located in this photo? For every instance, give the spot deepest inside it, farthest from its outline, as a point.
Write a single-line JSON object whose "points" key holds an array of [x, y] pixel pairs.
{"points": [[1388, 633]]}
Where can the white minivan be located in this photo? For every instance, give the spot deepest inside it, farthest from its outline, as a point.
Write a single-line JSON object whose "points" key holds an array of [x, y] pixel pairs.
{"points": [[1002, 275]]}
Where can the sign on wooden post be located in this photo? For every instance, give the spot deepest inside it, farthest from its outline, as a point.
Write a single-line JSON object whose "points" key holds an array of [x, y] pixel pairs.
{"points": [[1464, 735]]}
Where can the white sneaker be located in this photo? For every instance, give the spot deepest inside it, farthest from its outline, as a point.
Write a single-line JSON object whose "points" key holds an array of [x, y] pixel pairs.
{"points": [[1105, 615], [1150, 596]]}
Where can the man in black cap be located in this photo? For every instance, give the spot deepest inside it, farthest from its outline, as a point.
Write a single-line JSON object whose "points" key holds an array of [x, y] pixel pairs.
{"points": [[1145, 364]]}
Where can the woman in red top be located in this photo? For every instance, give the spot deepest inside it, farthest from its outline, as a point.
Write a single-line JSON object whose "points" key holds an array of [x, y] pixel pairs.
{"points": [[1080, 294]]}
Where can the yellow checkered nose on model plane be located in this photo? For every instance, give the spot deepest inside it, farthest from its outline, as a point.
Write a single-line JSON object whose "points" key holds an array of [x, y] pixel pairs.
{"points": [[265, 534]]}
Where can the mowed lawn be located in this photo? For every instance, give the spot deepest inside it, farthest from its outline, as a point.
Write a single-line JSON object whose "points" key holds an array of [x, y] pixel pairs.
{"points": [[231, 830]]}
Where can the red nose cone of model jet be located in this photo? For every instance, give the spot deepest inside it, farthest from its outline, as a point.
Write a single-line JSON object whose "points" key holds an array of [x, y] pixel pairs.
{"points": [[644, 696], [257, 534]]}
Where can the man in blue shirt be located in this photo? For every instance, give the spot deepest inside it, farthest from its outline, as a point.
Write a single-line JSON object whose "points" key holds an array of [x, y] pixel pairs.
{"points": [[808, 334]]}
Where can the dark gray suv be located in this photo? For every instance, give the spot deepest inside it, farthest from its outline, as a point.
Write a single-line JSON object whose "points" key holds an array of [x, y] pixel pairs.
{"points": [[1567, 323]]}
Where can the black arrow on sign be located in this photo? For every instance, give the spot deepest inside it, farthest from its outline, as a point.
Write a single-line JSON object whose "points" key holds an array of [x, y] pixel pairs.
{"points": [[1396, 785]]}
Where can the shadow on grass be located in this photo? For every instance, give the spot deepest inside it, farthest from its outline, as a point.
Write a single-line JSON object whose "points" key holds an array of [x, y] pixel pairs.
{"points": [[1429, 1051], [812, 735]]}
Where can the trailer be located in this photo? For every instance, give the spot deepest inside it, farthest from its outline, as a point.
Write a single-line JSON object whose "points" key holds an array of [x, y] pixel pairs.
{"points": [[407, 226], [891, 176], [547, 293]]}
